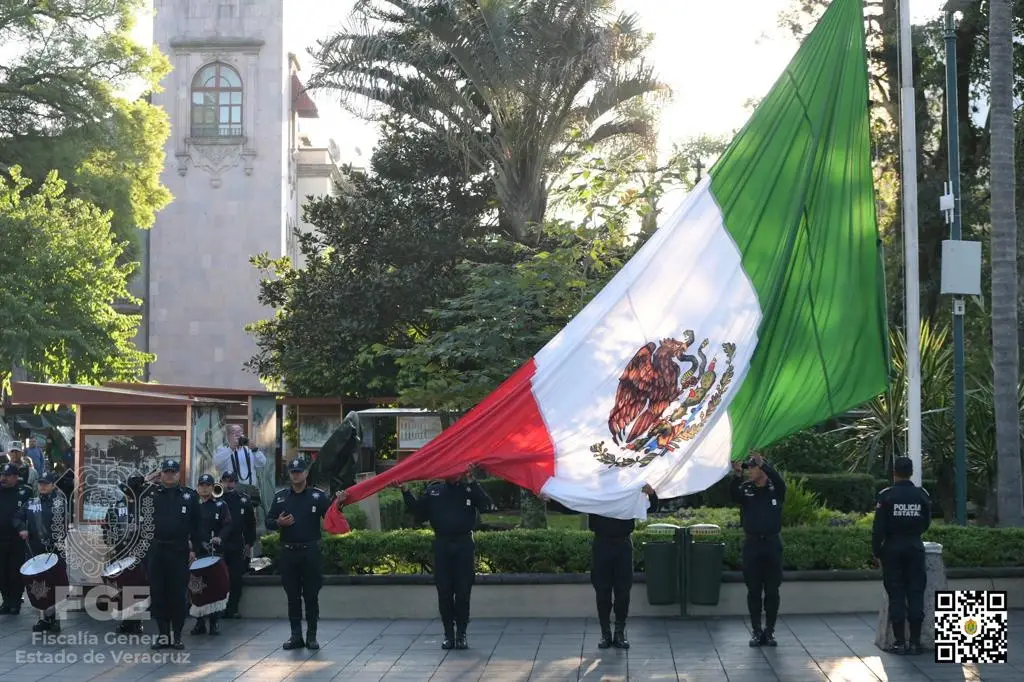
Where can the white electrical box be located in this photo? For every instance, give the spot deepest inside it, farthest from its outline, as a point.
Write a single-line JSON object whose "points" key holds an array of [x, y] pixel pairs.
{"points": [[961, 268]]}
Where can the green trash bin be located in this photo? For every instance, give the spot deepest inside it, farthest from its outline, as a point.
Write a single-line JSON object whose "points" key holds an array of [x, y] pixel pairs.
{"points": [[661, 565], [707, 556]]}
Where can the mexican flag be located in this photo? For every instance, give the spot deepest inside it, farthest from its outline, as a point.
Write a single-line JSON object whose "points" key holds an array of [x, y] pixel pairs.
{"points": [[756, 310]]}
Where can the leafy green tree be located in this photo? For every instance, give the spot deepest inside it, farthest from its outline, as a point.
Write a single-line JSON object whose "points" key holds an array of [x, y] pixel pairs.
{"points": [[60, 276], [383, 252], [65, 64], [521, 87]]}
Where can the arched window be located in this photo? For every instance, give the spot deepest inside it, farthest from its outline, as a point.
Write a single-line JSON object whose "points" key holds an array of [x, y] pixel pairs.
{"points": [[217, 102]]}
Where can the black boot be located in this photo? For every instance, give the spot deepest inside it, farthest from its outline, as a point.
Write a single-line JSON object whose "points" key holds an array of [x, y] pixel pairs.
{"points": [[42, 626], [163, 641], [214, 626], [899, 641], [756, 636], [295, 641], [768, 637], [606, 638], [311, 642], [178, 644], [54, 625], [448, 643], [199, 628], [915, 648], [460, 639], [619, 640]]}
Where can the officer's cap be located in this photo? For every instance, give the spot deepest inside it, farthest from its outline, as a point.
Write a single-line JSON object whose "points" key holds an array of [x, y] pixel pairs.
{"points": [[297, 464], [206, 479], [903, 466], [48, 477], [170, 465], [16, 446], [228, 476], [136, 480], [8, 470]]}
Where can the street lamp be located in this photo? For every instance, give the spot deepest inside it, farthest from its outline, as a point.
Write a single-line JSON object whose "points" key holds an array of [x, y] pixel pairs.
{"points": [[961, 260]]}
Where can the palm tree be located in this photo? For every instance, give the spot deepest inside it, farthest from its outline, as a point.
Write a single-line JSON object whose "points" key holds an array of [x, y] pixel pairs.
{"points": [[1005, 366], [520, 87]]}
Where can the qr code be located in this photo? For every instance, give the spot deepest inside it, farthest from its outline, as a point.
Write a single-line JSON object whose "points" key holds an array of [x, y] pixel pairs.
{"points": [[970, 626]]}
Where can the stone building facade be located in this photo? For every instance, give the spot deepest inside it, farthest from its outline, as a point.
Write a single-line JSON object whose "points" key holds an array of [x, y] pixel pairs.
{"points": [[237, 167]]}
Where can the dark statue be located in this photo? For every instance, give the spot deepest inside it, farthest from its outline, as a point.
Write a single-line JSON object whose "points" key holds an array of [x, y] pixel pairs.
{"points": [[337, 462]]}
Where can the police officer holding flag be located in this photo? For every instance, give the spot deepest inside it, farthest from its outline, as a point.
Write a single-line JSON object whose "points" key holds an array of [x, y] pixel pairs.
{"points": [[903, 512], [760, 498]]}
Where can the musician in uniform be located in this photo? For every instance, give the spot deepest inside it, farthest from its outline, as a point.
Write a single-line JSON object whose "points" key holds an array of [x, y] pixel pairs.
{"points": [[176, 538], [46, 522], [215, 525], [298, 512], [903, 512], [451, 507], [237, 547], [121, 531], [13, 497]]}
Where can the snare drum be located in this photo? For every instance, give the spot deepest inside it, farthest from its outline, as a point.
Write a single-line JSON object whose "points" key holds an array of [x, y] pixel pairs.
{"points": [[208, 586], [127, 572], [42, 575]]}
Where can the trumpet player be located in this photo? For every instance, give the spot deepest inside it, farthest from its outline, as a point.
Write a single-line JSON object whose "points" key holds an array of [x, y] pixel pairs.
{"points": [[214, 524], [238, 546]]}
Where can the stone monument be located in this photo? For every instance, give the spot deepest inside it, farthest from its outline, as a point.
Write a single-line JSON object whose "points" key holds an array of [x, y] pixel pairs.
{"points": [[936, 572]]}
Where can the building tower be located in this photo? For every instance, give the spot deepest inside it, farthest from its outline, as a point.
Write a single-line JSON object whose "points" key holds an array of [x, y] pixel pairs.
{"points": [[234, 99]]}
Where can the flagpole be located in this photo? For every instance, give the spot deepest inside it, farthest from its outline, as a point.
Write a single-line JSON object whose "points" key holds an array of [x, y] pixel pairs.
{"points": [[908, 137]]}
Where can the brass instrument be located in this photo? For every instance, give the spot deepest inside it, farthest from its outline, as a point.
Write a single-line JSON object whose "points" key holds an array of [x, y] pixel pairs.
{"points": [[218, 490]]}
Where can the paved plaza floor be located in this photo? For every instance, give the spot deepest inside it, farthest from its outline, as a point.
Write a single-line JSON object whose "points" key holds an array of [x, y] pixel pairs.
{"points": [[811, 648]]}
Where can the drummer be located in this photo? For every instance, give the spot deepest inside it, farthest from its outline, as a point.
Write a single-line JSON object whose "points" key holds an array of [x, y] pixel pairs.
{"points": [[46, 523], [120, 532], [13, 496], [238, 547], [215, 527], [175, 519]]}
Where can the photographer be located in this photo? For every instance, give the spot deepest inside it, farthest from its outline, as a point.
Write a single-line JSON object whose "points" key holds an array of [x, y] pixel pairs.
{"points": [[237, 458], [760, 498]]}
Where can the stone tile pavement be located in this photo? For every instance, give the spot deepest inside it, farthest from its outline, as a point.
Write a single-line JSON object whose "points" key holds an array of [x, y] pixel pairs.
{"points": [[811, 649]]}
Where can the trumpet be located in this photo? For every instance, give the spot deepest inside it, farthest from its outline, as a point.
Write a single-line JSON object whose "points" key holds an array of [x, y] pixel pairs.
{"points": [[218, 490]]}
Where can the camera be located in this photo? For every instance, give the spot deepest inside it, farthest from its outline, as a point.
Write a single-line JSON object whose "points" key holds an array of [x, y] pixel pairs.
{"points": [[243, 442], [749, 464]]}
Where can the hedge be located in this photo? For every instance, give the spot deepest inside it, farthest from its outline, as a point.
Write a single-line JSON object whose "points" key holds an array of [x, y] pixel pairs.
{"points": [[561, 551]]}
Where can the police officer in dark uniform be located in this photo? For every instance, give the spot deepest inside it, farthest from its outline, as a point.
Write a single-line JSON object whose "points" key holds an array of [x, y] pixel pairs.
{"points": [[237, 547], [215, 524], [13, 497], [451, 507], [760, 498], [903, 512], [611, 571], [46, 522], [298, 512], [176, 538], [121, 530]]}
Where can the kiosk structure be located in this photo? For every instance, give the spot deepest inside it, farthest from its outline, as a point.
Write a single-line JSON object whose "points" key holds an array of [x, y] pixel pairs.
{"points": [[121, 432]]}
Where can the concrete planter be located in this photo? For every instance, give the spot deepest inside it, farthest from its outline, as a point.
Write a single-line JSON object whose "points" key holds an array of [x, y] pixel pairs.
{"points": [[571, 595]]}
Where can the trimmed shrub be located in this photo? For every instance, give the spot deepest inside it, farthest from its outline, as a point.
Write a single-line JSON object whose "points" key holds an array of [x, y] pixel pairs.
{"points": [[356, 517], [807, 452], [566, 551]]}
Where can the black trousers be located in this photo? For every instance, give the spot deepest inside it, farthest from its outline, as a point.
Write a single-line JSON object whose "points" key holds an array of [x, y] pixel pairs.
{"points": [[454, 574], [12, 556], [168, 586], [762, 572], [237, 564], [302, 577], [611, 574], [904, 577]]}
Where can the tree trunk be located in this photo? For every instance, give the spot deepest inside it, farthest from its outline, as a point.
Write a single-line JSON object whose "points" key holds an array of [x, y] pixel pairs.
{"points": [[1005, 365]]}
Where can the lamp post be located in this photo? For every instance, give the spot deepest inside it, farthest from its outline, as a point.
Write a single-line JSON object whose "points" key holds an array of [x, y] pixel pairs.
{"points": [[955, 253]]}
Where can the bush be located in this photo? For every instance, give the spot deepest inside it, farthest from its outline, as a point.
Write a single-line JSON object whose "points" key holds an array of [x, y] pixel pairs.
{"points": [[356, 517], [807, 452], [566, 551], [843, 492], [801, 506]]}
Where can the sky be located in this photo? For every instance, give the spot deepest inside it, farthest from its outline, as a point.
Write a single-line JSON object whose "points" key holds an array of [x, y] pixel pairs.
{"points": [[713, 54]]}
